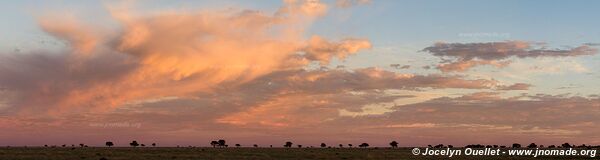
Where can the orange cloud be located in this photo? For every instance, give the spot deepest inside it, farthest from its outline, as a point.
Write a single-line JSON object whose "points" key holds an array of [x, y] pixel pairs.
{"points": [[80, 37], [235, 74], [168, 54], [312, 8], [319, 49]]}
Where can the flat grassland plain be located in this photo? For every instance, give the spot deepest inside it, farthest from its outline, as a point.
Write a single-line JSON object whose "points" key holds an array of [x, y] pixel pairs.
{"points": [[164, 153]]}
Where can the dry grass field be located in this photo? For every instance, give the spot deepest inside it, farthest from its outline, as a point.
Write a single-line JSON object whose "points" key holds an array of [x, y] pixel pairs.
{"points": [[167, 153]]}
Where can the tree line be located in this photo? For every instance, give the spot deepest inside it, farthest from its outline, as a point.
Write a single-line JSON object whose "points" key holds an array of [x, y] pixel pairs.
{"points": [[393, 144]]}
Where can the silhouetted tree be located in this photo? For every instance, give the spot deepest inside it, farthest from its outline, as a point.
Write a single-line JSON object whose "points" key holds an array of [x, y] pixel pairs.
{"points": [[153, 144], [134, 144], [238, 145], [255, 146], [516, 145], [532, 145], [222, 143], [81, 144], [323, 145], [109, 144], [495, 146], [350, 145], [394, 144], [566, 145], [439, 146], [299, 146], [288, 144], [341, 146], [450, 146], [552, 146], [64, 145], [214, 143], [363, 145], [429, 146], [143, 145], [474, 146], [45, 145]]}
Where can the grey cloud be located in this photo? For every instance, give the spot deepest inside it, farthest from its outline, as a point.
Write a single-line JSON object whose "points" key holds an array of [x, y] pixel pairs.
{"points": [[36, 80], [467, 55], [398, 66], [487, 118], [327, 81], [516, 86]]}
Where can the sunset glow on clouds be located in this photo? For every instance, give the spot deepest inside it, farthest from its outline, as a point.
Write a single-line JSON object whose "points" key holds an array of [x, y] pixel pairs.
{"points": [[190, 75]]}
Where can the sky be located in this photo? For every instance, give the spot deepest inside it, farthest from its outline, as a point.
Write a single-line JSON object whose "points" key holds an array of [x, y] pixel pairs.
{"points": [[308, 71]]}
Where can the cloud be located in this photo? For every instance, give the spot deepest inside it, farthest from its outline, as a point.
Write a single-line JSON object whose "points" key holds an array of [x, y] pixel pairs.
{"points": [[312, 8], [480, 96], [196, 73], [333, 81], [476, 115], [516, 86], [464, 56], [398, 66], [350, 3], [44, 82], [244, 75], [166, 54], [80, 37], [319, 49], [461, 66], [329, 91], [247, 119], [281, 102]]}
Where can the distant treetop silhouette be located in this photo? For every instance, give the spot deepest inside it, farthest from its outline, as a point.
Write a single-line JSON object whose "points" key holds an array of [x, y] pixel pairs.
{"points": [[532, 145], [109, 144], [214, 143], [134, 144], [363, 145], [288, 144], [222, 143], [394, 144]]}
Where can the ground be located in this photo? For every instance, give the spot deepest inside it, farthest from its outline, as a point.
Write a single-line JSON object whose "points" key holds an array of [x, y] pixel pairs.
{"points": [[164, 153]]}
